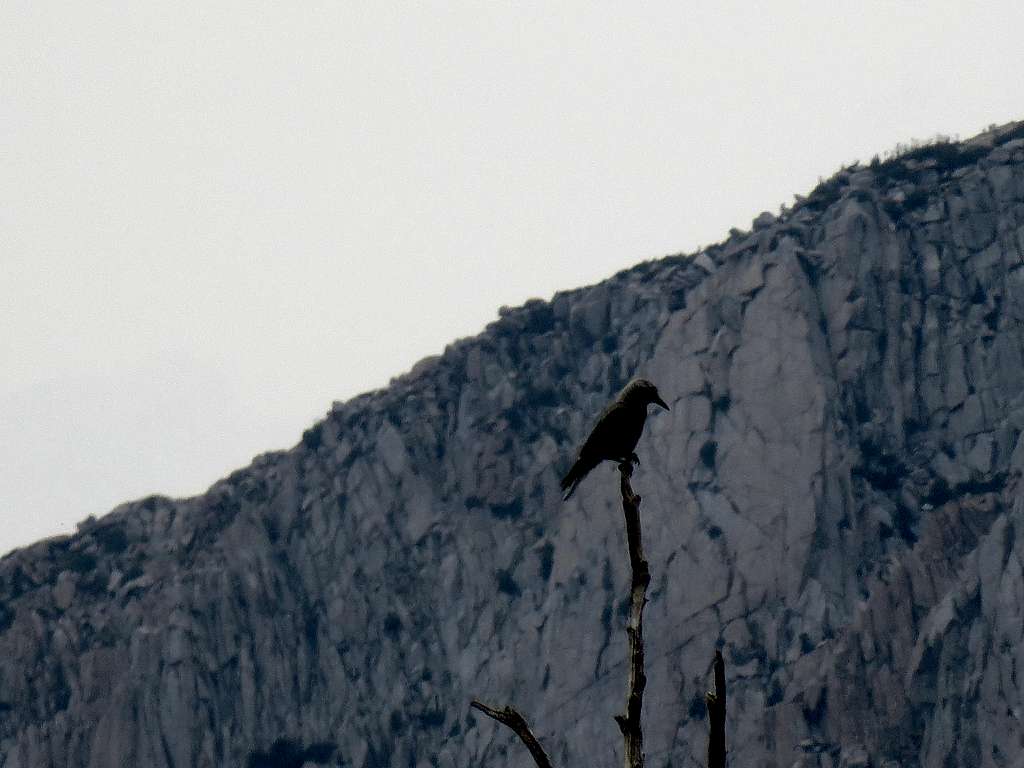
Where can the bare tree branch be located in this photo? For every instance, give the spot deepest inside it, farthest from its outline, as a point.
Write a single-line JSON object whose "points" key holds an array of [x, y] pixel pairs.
{"points": [[629, 723], [716, 716], [511, 718]]}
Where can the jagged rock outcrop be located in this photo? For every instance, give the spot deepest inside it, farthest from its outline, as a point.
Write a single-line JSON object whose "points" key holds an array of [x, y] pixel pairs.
{"points": [[835, 495]]}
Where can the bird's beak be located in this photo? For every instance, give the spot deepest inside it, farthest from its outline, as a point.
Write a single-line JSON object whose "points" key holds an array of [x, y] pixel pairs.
{"points": [[658, 401]]}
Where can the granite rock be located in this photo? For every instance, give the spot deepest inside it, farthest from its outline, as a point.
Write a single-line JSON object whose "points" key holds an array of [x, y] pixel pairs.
{"points": [[833, 497]]}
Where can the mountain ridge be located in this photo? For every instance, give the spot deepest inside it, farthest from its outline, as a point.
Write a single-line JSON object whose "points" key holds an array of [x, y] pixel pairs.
{"points": [[845, 378]]}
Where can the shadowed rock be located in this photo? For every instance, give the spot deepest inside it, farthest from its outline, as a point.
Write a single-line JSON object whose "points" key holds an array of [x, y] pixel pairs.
{"points": [[285, 753]]}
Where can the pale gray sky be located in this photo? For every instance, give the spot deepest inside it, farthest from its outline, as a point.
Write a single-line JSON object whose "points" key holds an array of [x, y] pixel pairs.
{"points": [[217, 218]]}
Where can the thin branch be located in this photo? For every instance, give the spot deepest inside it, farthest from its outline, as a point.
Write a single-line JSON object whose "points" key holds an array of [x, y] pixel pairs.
{"points": [[629, 723], [716, 716], [511, 718]]}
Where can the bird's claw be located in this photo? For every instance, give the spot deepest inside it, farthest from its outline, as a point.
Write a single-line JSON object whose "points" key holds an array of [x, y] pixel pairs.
{"points": [[629, 463]]}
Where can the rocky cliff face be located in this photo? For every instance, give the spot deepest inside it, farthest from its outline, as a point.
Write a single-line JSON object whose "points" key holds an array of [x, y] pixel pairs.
{"points": [[834, 496]]}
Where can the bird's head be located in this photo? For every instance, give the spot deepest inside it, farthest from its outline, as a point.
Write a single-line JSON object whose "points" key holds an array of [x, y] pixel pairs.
{"points": [[641, 391]]}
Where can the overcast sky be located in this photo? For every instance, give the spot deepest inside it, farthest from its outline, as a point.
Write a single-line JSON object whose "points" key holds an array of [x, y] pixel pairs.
{"points": [[217, 218]]}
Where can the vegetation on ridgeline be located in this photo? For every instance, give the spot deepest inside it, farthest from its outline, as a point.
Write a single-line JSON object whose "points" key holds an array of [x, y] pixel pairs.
{"points": [[908, 163]]}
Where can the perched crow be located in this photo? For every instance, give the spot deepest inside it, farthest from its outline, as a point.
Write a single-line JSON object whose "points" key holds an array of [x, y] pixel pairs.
{"points": [[616, 433]]}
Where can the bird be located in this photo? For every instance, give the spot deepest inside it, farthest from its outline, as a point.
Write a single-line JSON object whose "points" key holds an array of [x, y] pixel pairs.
{"points": [[616, 433]]}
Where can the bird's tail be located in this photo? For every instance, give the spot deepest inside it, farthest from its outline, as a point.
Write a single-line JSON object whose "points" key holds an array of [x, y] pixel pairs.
{"points": [[574, 476]]}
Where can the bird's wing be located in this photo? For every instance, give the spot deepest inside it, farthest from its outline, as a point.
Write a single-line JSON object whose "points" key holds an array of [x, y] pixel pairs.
{"points": [[611, 433]]}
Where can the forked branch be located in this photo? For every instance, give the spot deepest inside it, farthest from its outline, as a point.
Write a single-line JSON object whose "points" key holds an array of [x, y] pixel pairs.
{"points": [[629, 723], [511, 718]]}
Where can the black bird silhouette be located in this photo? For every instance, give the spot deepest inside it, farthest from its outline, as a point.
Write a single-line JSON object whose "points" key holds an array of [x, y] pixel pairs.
{"points": [[616, 432]]}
